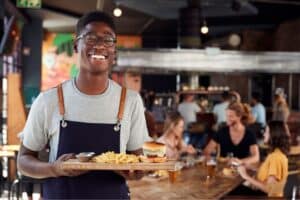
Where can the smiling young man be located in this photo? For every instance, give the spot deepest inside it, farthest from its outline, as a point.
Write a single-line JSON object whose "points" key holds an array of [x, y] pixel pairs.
{"points": [[88, 113]]}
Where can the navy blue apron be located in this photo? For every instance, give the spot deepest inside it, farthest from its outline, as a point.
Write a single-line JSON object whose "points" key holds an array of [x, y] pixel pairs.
{"points": [[76, 137]]}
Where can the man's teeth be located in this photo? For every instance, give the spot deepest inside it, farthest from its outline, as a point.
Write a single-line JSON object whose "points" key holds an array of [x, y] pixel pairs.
{"points": [[98, 56]]}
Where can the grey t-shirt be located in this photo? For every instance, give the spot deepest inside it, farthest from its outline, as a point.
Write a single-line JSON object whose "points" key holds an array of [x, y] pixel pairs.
{"points": [[43, 121], [188, 110]]}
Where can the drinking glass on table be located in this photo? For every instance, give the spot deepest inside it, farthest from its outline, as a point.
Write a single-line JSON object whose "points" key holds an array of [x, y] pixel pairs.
{"points": [[229, 155], [173, 175], [229, 158], [211, 165]]}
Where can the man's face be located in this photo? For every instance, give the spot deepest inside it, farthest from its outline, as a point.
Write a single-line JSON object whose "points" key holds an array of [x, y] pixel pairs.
{"points": [[253, 102], [96, 48]]}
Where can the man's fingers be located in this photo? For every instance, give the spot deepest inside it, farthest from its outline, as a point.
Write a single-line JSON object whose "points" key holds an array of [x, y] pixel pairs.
{"points": [[66, 157]]}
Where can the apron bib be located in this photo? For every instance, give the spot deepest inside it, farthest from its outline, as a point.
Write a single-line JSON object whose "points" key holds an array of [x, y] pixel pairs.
{"points": [[76, 137]]}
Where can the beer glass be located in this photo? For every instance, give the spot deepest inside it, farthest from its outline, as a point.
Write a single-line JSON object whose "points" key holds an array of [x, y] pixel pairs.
{"points": [[211, 165], [173, 175]]}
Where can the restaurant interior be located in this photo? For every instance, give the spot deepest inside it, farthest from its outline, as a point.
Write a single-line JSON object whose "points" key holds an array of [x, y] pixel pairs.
{"points": [[166, 50]]}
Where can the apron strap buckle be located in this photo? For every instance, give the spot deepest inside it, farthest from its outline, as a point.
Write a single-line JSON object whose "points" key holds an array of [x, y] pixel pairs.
{"points": [[64, 124], [117, 127]]}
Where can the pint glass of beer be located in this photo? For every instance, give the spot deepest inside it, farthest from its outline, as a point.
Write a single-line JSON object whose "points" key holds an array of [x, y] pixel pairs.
{"points": [[211, 168], [173, 175]]}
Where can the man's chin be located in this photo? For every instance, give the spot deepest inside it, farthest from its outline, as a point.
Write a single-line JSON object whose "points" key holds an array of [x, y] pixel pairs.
{"points": [[98, 69], [99, 72]]}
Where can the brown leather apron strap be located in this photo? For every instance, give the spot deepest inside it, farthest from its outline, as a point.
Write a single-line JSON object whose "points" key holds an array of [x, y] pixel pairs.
{"points": [[122, 104], [61, 100]]}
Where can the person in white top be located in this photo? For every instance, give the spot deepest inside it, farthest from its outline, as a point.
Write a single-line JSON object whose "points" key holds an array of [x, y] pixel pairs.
{"points": [[258, 109], [220, 109], [188, 109]]}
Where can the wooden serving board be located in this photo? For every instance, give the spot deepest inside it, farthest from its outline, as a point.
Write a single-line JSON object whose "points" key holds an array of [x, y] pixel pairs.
{"points": [[77, 165]]}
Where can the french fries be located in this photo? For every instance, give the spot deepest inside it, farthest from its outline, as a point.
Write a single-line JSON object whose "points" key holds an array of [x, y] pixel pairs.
{"points": [[116, 158]]}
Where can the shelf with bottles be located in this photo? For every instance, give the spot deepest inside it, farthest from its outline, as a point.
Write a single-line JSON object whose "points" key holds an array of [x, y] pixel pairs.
{"points": [[204, 90]]}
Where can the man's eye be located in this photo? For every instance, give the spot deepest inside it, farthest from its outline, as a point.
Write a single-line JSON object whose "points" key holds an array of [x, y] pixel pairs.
{"points": [[108, 39], [91, 38]]}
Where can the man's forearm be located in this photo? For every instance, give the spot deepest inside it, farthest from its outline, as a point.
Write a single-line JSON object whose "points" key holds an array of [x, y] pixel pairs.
{"points": [[32, 167]]}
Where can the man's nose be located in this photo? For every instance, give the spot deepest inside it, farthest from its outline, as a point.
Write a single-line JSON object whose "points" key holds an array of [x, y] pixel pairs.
{"points": [[99, 45]]}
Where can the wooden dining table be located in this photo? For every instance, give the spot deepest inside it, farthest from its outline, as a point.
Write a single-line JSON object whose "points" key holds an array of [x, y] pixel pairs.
{"points": [[190, 184]]}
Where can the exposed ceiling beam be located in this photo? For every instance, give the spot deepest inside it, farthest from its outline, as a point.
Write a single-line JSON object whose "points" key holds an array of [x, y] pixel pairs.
{"points": [[209, 60]]}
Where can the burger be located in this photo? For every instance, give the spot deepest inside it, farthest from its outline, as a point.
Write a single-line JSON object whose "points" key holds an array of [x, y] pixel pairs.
{"points": [[154, 152]]}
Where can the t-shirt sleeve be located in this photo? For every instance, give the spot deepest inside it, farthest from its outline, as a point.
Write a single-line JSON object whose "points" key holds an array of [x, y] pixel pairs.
{"points": [[275, 168], [138, 128], [34, 134], [251, 138], [197, 108]]}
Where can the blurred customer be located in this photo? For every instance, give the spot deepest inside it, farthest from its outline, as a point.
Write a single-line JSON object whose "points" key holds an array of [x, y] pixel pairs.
{"points": [[247, 118], [235, 96], [258, 109], [249, 121], [150, 120], [281, 109], [267, 134], [188, 109], [272, 174], [151, 125], [219, 109], [172, 137], [235, 138]]}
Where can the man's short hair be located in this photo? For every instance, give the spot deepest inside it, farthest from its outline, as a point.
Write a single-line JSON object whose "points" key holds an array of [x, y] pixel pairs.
{"points": [[94, 16], [226, 95], [256, 96]]}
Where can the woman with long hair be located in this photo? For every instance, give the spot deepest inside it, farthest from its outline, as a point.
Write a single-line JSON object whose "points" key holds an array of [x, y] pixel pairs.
{"points": [[273, 172], [235, 139], [172, 137]]}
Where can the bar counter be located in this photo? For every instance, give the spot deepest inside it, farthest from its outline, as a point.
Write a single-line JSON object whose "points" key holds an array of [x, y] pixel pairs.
{"points": [[190, 184]]}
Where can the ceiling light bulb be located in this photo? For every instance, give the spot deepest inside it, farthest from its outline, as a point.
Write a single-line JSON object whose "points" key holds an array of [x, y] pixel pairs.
{"points": [[234, 40], [204, 29], [117, 12]]}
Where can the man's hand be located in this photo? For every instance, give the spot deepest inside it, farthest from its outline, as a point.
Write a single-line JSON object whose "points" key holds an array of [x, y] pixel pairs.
{"points": [[58, 171], [131, 175]]}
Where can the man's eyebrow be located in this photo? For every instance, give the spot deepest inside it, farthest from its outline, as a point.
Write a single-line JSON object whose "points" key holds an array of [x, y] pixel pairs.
{"points": [[109, 33]]}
